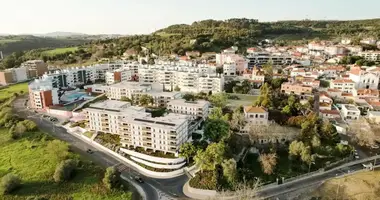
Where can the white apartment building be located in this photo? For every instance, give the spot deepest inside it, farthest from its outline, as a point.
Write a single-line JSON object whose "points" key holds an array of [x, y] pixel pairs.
{"points": [[20, 74], [229, 69], [344, 85], [126, 89], [214, 84], [185, 77], [261, 58], [118, 75], [134, 90], [136, 127], [197, 109], [105, 116], [297, 72], [165, 134], [370, 55], [364, 79], [350, 112]]}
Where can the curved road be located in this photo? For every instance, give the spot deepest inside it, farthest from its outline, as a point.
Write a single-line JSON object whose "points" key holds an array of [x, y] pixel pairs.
{"points": [[154, 189]]}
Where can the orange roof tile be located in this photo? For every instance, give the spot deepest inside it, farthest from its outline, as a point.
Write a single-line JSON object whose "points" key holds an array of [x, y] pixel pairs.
{"points": [[253, 109], [331, 112], [343, 81]]}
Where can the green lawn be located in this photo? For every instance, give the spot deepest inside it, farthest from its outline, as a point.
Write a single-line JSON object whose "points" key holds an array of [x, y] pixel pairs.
{"points": [[29, 158], [9, 91], [244, 100], [59, 51]]}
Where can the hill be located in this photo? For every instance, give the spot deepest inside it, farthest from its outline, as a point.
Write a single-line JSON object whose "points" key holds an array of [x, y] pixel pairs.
{"points": [[10, 44], [204, 36], [61, 34]]}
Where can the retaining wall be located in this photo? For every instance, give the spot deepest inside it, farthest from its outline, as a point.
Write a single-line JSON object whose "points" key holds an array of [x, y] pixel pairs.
{"points": [[158, 166], [153, 158]]}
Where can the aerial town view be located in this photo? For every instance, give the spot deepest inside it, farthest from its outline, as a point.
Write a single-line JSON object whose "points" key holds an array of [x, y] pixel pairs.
{"points": [[171, 100]]}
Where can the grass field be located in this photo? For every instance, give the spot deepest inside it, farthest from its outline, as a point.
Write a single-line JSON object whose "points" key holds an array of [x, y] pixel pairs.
{"points": [[59, 51], [360, 186], [5, 41], [9, 91], [31, 160], [244, 100]]}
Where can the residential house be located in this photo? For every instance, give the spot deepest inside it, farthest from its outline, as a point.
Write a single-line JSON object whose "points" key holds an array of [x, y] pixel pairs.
{"points": [[350, 112], [345, 85]]}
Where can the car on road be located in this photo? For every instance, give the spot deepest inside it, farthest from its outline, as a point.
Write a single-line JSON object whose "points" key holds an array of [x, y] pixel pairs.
{"points": [[45, 116], [90, 151], [53, 119], [374, 146], [139, 179]]}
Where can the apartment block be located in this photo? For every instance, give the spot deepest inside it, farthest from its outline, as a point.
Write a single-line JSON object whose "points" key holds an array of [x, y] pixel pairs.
{"points": [[261, 58], [136, 127], [187, 78], [344, 85], [6, 77], [229, 70], [350, 112], [370, 55], [36, 68], [118, 75], [133, 91], [296, 88], [42, 94], [196, 109]]}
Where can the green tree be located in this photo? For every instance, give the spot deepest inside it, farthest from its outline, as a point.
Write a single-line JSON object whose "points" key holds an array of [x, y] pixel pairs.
{"points": [[324, 83], [124, 98], [189, 97], [212, 156], [177, 88], [112, 178], [277, 82], [265, 98], [230, 170], [217, 113], [187, 150], [315, 142], [9, 183], [216, 129], [238, 120], [219, 100], [145, 100], [63, 172], [268, 162]]}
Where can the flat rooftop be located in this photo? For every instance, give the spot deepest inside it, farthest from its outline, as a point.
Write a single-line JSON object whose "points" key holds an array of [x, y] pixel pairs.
{"points": [[171, 120], [350, 107], [130, 85], [374, 113], [111, 105], [183, 102]]}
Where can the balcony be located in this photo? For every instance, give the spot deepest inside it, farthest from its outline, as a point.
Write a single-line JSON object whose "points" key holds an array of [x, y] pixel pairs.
{"points": [[147, 139]]}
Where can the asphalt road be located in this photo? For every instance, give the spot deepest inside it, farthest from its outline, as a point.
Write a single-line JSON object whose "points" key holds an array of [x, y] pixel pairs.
{"points": [[154, 188], [280, 190]]}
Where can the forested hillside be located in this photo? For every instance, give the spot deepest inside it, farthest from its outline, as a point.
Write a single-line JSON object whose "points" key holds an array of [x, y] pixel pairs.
{"points": [[10, 44], [203, 36]]}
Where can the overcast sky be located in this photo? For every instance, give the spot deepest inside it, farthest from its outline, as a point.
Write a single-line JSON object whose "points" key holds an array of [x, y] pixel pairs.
{"points": [[146, 16]]}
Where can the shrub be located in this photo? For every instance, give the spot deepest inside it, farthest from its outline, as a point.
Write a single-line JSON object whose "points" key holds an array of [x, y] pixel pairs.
{"points": [[111, 178], [9, 183], [64, 170], [30, 125]]}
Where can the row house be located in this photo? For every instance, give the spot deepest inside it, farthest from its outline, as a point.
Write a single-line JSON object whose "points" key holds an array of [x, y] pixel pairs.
{"points": [[296, 88]]}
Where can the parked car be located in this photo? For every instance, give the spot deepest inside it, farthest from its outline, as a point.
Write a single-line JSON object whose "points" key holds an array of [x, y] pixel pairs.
{"points": [[90, 151], [139, 179]]}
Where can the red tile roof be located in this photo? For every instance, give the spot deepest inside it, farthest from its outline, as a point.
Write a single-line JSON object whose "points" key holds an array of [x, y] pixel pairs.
{"points": [[343, 81]]}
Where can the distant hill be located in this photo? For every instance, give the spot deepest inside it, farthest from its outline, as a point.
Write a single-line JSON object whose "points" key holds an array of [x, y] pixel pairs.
{"points": [[10, 44], [61, 34]]}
